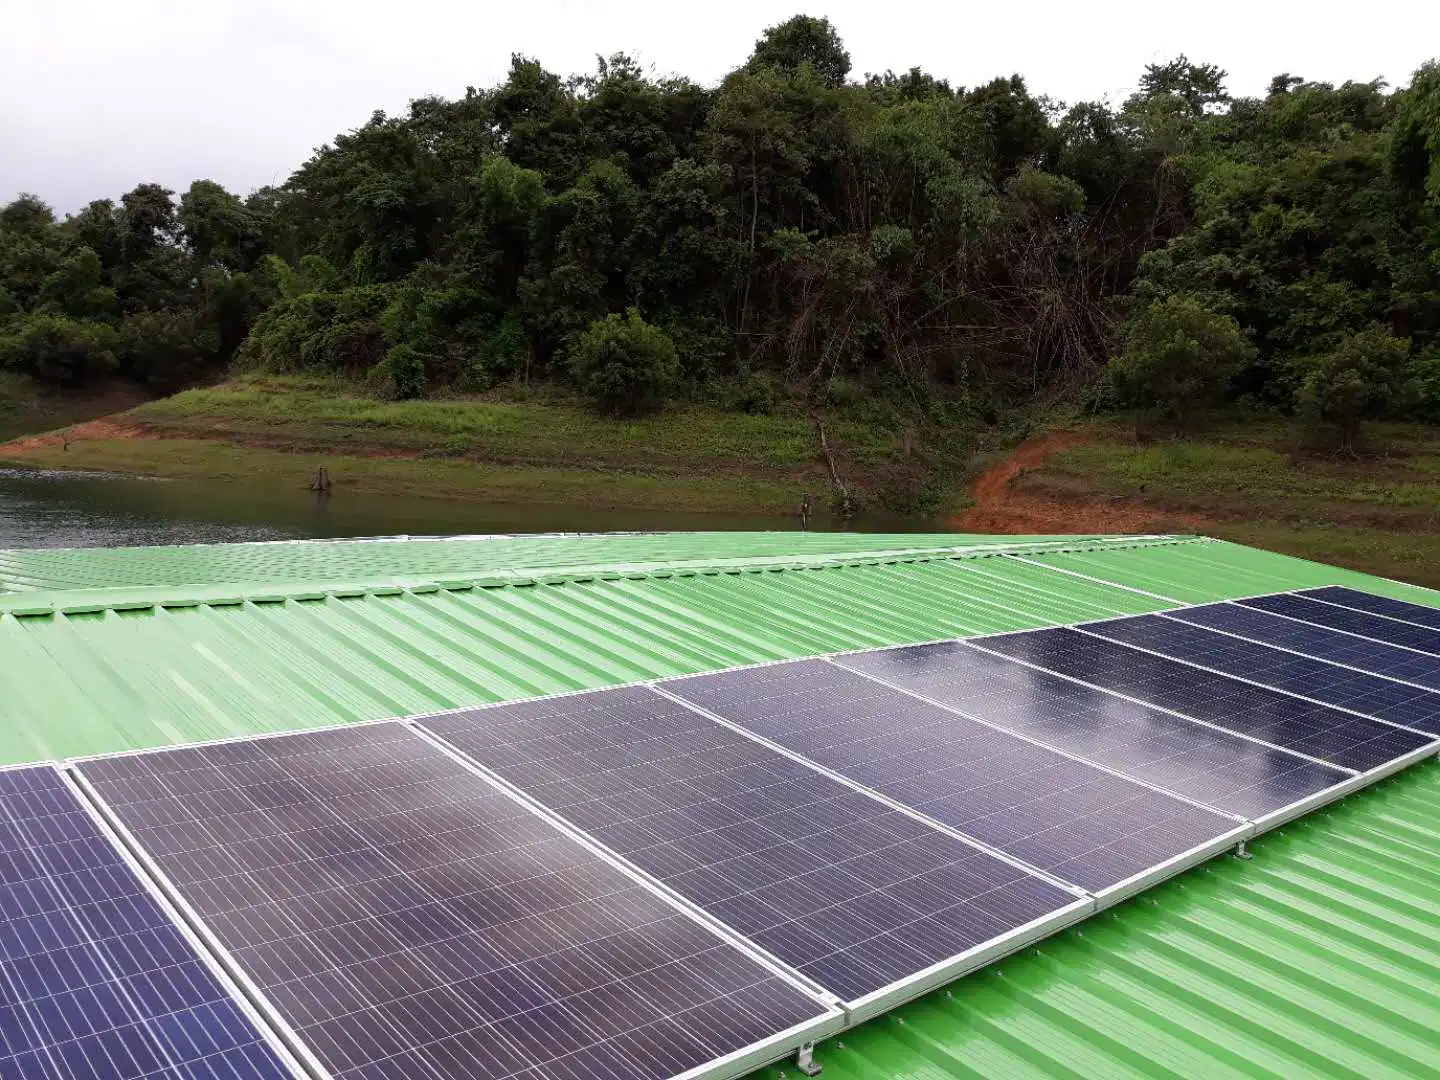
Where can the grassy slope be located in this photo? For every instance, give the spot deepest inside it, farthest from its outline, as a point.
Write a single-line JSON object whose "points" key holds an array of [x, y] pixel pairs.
{"points": [[1244, 482], [26, 407], [692, 458]]}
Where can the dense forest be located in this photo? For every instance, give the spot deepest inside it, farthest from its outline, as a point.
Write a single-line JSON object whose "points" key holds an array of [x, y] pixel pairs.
{"points": [[796, 233]]}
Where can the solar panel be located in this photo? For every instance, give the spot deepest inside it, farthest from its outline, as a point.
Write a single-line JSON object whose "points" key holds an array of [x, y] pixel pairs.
{"points": [[1214, 767], [1377, 627], [407, 920], [850, 892], [1376, 605], [1332, 645], [1301, 675], [96, 981], [1070, 819], [1352, 742]]}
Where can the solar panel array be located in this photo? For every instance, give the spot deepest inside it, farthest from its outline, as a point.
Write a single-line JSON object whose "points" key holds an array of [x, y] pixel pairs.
{"points": [[96, 981], [1289, 723], [677, 880], [846, 890], [409, 921], [1302, 676], [1306, 639], [1209, 765], [1064, 816]]}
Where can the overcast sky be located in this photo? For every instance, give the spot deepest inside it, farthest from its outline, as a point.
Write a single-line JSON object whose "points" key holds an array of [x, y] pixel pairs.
{"points": [[99, 95]]}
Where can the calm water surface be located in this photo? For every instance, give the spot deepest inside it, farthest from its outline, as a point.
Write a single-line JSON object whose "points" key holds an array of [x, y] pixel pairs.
{"points": [[67, 509]]}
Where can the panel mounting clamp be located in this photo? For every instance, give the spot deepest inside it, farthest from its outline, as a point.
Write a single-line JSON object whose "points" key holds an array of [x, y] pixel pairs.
{"points": [[1241, 853], [805, 1060]]}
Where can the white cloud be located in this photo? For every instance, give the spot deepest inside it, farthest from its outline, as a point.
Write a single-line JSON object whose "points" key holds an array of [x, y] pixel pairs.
{"points": [[98, 95]]}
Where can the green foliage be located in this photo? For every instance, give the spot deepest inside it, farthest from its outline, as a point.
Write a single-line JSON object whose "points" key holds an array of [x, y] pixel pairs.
{"points": [[1179, 357], [967, 250], [1362, 378], [57, 349], [1424, 379], [402, 373], [624, 364], [803, 40]]}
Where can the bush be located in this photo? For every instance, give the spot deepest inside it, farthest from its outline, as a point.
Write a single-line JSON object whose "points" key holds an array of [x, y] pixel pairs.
{"points": [[1179, 357], [401, 374], [165, 347], [1361, 379], [626, 365], [1424, 377], [57, 349]]}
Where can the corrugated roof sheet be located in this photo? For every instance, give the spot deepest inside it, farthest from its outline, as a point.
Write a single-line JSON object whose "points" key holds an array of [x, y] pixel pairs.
{"points": [[1318, 958], [388, 557], [107, 672]]}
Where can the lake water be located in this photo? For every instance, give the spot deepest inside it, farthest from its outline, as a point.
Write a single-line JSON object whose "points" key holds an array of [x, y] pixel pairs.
{"points": [[68, 509]]}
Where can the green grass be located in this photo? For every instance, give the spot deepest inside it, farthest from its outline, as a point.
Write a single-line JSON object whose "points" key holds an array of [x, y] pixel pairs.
{"points": [[310, 412], [26, 407], [435, 477], [1187, 469], [1379, 513]]}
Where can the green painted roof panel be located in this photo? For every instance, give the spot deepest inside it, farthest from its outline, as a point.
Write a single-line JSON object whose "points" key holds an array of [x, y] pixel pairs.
{"points": [[274, 562]]}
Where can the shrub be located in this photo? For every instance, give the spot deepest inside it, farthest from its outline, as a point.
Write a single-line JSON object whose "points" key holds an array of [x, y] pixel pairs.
{"points": [[57, 349], [626, 365], [165, 347], [1424, 377], [402, 373], [1179, 357], [1362, 378]]}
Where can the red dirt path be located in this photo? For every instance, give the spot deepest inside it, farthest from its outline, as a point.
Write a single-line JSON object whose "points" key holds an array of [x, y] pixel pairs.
{"points": [[1000, 508]]}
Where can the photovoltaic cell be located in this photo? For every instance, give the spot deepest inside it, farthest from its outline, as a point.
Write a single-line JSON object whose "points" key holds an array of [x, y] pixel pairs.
{"points": [[1342, 739], [1376, 605], [850, 892], [409, 921], [1214, 767], [1421, 638], [96, 982], [1078, 822], [1317, 679], [1317, 641]]}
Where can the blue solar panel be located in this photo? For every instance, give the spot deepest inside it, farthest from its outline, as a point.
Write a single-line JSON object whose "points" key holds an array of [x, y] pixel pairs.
{"points": [[849, 892], [1301, 675], [1377, 605], [1190, 759], [410, 922], [96, 982], [1073, 820], [1376, 627], [1372, 656], [1352, 742]]}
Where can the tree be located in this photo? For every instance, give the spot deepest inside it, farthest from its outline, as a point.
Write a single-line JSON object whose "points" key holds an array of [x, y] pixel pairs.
{"points": [[219, 228], [626, 365], [802, 40], [1361, 379], [27, 215], [1199, 87], [1179, 358], [57, 349]]}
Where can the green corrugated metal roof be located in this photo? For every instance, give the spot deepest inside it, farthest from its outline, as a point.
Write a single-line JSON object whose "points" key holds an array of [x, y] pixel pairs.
{"points": [[1318, 958], [96, 677], [358, 560]]}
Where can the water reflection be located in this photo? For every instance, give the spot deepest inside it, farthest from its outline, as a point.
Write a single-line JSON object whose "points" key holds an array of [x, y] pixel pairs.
{"points": [[72, 509]]}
